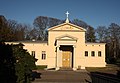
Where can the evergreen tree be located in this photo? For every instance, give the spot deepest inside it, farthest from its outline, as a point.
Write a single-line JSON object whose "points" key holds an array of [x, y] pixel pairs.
{"points": [[16, 64], [24, 65]]}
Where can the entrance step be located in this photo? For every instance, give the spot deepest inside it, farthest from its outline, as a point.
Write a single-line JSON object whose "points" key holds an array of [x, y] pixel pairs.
{"points": [[66, 69]]}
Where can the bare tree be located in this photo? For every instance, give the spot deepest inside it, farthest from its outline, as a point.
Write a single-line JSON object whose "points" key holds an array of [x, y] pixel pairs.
{"points": [[6, 33], [80, 23], [110, 35], [114, 34], [101, 33], [90, 34], [42, 23]]}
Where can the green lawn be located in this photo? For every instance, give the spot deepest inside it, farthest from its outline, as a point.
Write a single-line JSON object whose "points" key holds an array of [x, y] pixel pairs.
{"points": [[108, 69], [41, 67]]}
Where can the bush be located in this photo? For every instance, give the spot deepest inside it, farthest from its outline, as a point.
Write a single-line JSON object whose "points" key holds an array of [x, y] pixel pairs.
{"points": [[118, 61], [7, 67], [24, 65], [16, 64], [111, 60]]}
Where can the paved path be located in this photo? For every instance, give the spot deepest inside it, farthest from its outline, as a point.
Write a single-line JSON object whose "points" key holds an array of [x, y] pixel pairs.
{"points": [[80, 76]]}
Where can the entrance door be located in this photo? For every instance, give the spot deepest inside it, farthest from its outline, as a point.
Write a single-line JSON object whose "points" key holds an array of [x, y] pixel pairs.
{"points": [[66, 59]]}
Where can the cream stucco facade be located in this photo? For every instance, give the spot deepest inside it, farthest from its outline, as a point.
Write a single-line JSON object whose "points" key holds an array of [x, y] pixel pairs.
{"points": [[66, 48]]}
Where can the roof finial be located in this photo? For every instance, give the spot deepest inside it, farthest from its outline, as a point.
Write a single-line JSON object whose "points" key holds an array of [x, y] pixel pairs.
{"points": [[67, 20]]}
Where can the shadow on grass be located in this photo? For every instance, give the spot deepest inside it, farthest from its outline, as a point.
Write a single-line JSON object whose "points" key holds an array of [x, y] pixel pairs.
{"points": [[87, 81], [98, 77], [35, 75]]}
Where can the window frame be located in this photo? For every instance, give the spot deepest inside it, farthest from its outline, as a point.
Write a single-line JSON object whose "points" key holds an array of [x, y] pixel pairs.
{"points": [[93, 53], [33, 53], [86, 53], [43, 57], [99, 53]]}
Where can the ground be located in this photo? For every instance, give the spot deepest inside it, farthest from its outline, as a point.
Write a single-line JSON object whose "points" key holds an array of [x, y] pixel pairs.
{"points": [[63, 76], [79, 76], [110, 69]]}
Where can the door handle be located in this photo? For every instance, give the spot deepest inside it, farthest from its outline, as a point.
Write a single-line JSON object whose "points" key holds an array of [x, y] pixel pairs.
{"points": [[64, 59]]}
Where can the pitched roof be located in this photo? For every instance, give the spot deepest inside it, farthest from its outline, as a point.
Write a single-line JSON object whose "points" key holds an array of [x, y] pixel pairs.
{"points": [[70, 24], [28, 41]]}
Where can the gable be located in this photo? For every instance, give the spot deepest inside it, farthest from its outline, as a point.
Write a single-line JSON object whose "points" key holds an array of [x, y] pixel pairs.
{"points": [[66, 27], [66, 37]]}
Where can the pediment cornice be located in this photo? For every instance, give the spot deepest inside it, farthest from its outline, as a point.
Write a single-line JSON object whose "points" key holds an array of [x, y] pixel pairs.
{"points": [[66, 37], [67, 27]]}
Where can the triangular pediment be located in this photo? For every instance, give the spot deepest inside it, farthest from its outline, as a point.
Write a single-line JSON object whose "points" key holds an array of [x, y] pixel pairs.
{"points": [[66, 27], [66, 37]]}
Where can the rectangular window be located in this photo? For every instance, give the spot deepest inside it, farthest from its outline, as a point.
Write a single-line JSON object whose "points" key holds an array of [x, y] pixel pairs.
{"points": [[33, 53], [92, 53], [43, 55], [99, 53], [86, 53]]}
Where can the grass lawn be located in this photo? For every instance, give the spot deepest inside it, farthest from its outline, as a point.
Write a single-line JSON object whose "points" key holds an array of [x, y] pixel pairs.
{"points": [[112, 69], [41, 67]]}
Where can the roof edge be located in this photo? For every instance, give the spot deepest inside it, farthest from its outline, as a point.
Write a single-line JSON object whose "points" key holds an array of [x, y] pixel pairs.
{"points": [[68, 24], [95, 43]]}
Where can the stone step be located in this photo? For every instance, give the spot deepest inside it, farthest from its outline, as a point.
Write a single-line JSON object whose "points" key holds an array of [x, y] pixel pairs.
{"points": [[66, 69]]}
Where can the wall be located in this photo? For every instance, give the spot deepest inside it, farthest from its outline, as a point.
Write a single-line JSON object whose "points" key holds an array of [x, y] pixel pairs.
{"points": [[94, 61], [38, 48], [79, 44]]}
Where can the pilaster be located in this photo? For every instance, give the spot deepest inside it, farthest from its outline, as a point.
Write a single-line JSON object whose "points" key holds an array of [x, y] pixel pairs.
{"points": [[57, 58], [74, 58]]}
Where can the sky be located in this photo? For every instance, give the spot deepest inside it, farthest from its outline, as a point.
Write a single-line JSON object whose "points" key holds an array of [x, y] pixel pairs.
{"points": [[93, 12]]}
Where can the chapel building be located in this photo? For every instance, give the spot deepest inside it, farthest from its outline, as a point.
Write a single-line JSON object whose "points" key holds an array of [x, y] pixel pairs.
{"points": [[66, 48]]}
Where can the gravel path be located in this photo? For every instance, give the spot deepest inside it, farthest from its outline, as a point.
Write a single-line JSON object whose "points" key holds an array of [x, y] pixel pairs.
{"points": [[80, 76]]}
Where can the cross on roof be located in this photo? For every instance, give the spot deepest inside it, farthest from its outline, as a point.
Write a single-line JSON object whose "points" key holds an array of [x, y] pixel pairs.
{"points": [[67, 20], [67, 13]]}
